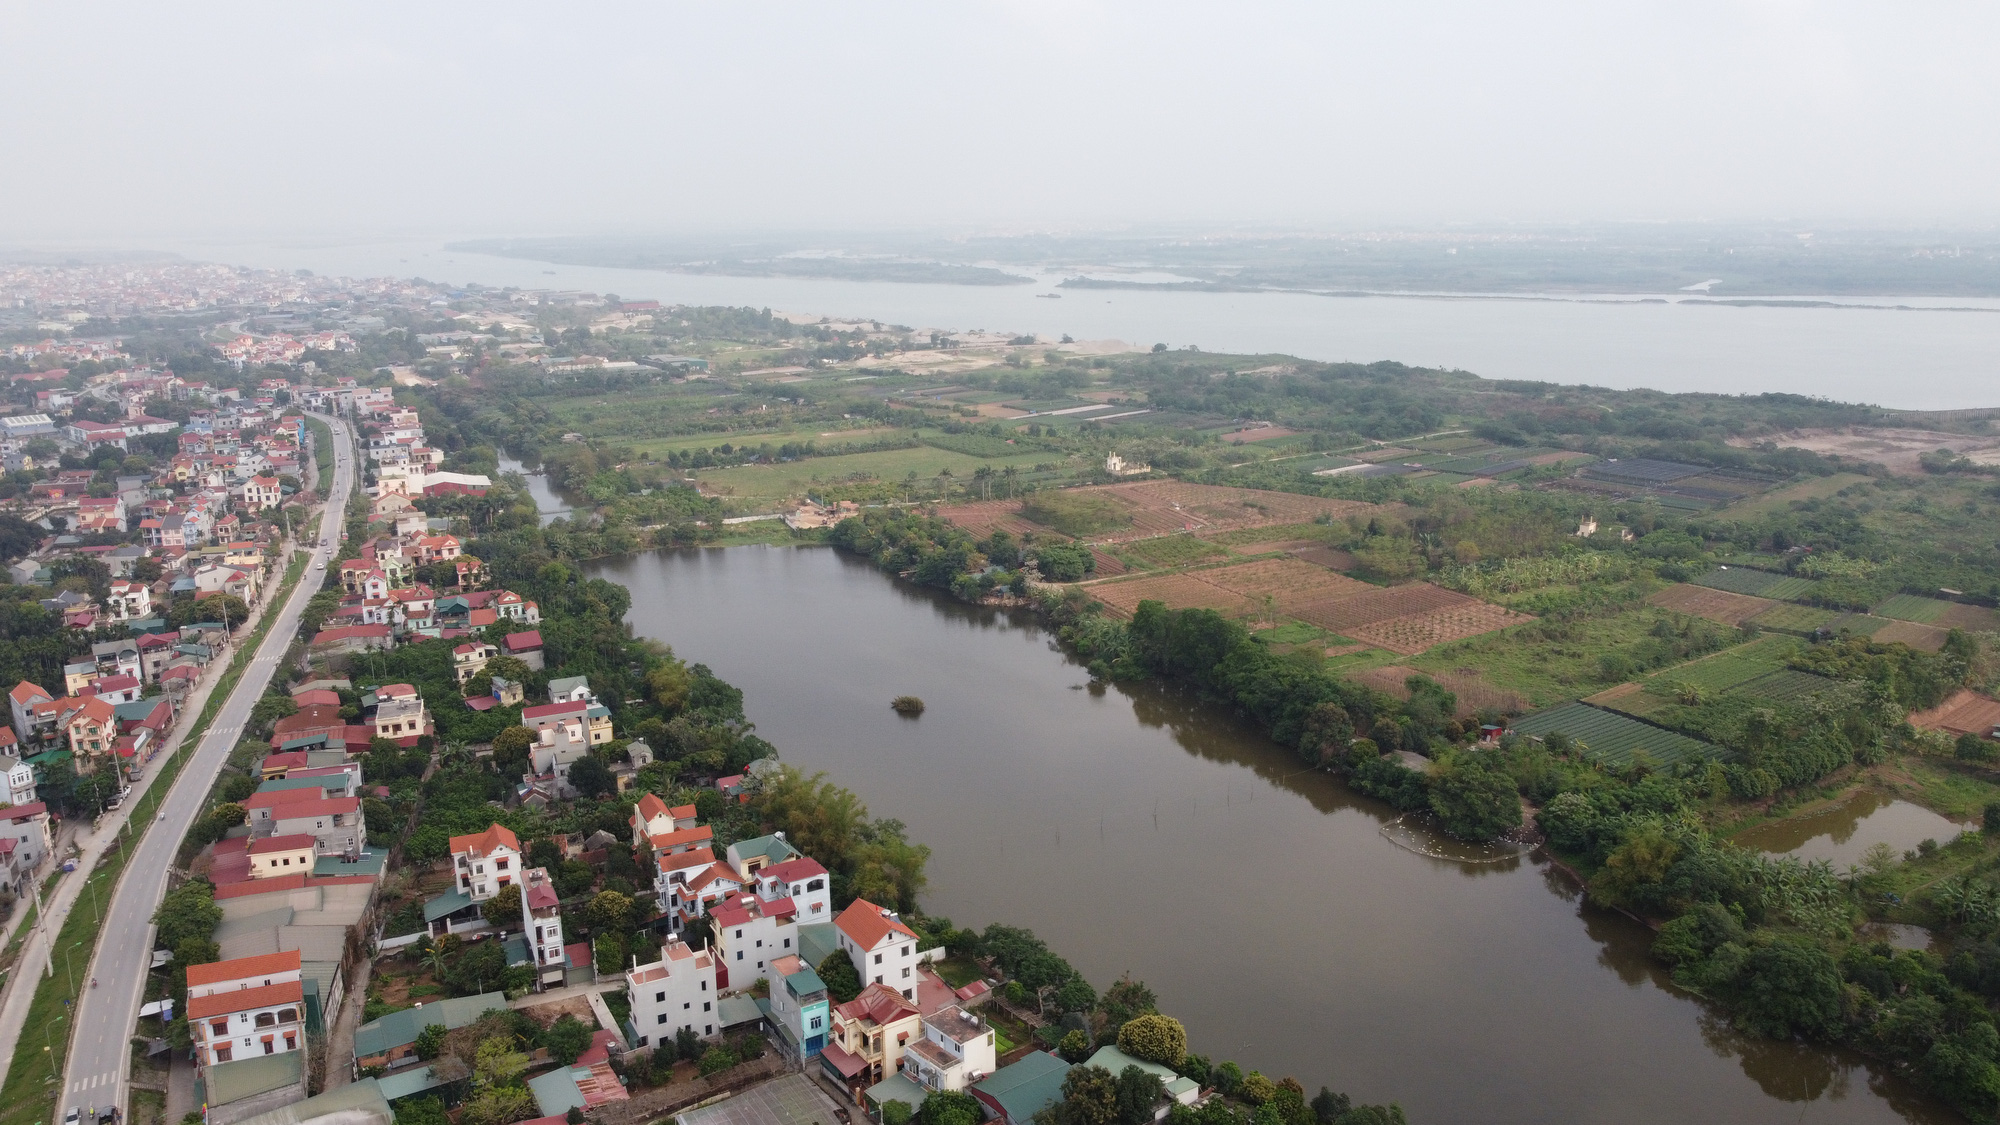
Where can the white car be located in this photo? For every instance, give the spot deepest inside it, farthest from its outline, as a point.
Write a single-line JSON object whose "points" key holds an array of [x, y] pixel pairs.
{"points": [[321, 566], [73, 1116]]}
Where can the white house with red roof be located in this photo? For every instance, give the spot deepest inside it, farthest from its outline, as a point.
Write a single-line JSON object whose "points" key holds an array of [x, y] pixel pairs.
{"points": [[749, 933], [486, 861], [27, 723], [469, 659], [677, 991], [881, 945], [260, 493], [281, 855], [32, 832], [246, 1008], [804, 882], [129, 601]]}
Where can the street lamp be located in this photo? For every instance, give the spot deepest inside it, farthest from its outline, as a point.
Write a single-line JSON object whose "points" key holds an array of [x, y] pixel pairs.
{"points": [[68, 969], [46, 1041]]}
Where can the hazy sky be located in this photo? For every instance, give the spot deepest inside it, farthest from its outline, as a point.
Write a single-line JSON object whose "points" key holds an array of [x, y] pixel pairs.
{"points": [[134, 120]]}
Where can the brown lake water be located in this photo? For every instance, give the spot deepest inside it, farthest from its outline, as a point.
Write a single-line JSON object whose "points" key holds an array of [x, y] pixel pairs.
{"points": [[1841, 833], [1139, 830]]}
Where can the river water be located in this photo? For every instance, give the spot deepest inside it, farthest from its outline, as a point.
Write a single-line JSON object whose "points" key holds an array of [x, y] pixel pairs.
{"points": [[1140, 831], [1922, 357]]}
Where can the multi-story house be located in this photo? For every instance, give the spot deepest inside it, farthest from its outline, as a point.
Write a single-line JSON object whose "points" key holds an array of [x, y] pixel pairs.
{"points": [[514, 607], [687, 883], [334, 823], [468, 660], [869, 1035], [29, 723], [129, 601], [117, 658], [282, 855], [28, 825], [799, 1008], [541, 924], [882, 947], [18, 775], [750, 933], [955, 1050], [674, 993], [802, 881], [90, 724], [260, 493], [400, 715], [485, 862], [246, 1008]]}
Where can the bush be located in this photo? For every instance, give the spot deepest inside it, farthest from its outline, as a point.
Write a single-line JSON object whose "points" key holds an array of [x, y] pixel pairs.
{"points": [[566, 1038], [1972, 748], [1154, 1038], [895, 1113], [1257, 1089], [715, 1059]]}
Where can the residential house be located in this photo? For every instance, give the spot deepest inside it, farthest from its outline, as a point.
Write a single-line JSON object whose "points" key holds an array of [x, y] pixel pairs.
{"points": [[27, 722], [31, 829], [1186, 1091], [18, 775], [674, 993], [571, 689], [400, 715], [129, 601], [750, 932], [799, 1007], [802, 881], [956, 1050], [90, 725], [758, 852], [868, 1036], [525, 647], [260, 493], [246, 1007], [485, 862], [281, 855], [468, 660], [514, 607], [391, 1041], [345, 639], [882, 947], [541, 924]]}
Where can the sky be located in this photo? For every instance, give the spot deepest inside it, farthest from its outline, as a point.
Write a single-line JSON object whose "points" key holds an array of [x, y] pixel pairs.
{"points": [[147, 120]]}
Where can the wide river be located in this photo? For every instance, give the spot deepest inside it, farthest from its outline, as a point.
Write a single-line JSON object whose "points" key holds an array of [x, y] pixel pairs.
{"points": [[1921, 357], [1139, 830]]}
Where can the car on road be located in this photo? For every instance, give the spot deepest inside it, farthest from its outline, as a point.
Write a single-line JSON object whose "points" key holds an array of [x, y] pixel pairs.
{"points": [[321, 566], [73, 1116]]}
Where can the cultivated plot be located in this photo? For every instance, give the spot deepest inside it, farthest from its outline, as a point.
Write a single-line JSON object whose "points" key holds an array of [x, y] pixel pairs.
{"points": [[1715, 605]]}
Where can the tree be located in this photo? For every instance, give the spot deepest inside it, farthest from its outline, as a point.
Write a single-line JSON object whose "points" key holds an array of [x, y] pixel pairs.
{"points": [[1139, 1090], [503, 910], [1474, 797], [1972, 748], [1327, 1106], [950, 1107], [271, 708], [609, 912], [1089, 1097], [510, 750], [714, 1059], [1074, 1047], [1789, 987], [591, 778], [837, 973], [687, 1044], [1257, 1089], [1154, 1038], [497, 1106], [1076, 995], [187, 911], [237, 788], [895, 1113], [421, 1111], [566, 1038], [608, 954], [497, 1062], [430, 1041]]}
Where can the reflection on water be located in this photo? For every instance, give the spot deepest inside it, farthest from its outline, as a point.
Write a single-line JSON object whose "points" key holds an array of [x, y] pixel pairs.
{"points": [[550, 506], [1842, 833], [1141, 830]]}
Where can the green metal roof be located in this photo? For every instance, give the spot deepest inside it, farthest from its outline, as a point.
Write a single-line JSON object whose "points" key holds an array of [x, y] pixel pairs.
{"points": [[1114, 1060], [358, 1103], [246, 1078], [732, 1010], [450, 902], [1027, 1087], [367, 863], [403, 1083], [556, 1093], [286, 783], [805, 982], [897, 1088], [400, 1028], [817, 942]]}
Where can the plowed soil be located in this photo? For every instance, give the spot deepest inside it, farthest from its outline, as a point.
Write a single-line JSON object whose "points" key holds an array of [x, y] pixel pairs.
{"points": [[1715, 605]]}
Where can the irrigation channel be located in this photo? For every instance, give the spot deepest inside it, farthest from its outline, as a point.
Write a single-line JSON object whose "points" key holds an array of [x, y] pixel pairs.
{"points": [[1139, 830]]}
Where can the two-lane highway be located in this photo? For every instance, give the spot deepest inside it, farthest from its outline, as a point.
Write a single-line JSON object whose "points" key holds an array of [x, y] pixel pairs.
{"points": [[106, 1016]]}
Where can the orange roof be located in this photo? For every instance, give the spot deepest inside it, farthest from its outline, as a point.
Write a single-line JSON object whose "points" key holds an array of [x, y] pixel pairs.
{"points": [[650, 806], [867, 924], [486, 843], [93, 709], [242, 968], [693, 857], [682, 812], [700, 832], [244, 999]]}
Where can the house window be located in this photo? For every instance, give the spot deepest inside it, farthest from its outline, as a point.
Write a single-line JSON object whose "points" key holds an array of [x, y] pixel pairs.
{"points": [[659, 997], [219, 1027], [815, 1023], [704, 1005], [878, 958], [662, 1019], [222, 1053], [708, 1029], [906, 974], [739, 955]]}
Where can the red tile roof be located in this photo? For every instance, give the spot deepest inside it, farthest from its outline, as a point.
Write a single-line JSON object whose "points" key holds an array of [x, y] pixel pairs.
{"points": [[244, 968], [486, 843], [523, 642], [290, 843], [244, 999], [867, 924]]}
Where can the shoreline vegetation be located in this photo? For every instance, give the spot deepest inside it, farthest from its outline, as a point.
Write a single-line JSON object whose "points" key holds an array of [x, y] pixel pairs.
{"points": [[1691, 608]]}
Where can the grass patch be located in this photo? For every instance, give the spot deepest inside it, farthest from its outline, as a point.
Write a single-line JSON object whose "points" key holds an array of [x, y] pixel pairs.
{"points": [[1171, 550], [1780, 500], [1246, 535], [958, 970], [1076, 513], [1950, 788], [1756, 583], [322, 449], [1911, 607], [1550, 661]]}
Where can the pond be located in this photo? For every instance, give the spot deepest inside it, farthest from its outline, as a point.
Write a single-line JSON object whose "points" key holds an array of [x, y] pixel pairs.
{"points": [[1139, 830], [549, 507], [1842, 833]]}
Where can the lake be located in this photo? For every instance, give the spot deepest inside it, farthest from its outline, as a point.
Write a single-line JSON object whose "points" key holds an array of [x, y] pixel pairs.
{"points": [[1139, 830], [1843, 832], [1916, 358]]}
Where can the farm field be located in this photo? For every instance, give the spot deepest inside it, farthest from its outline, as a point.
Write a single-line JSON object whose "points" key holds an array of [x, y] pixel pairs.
{"points": [[1474, 694], [1930, 638], [1613, 739], [1289, 581], [1247, 536], [1756, 583], [1781, 499], [1966, 712], [1171, 550], [1786, 685], [1800, 619], [1727, 669], [1911, 607], [1178, 591], [1416, 632], [1715, 605]]}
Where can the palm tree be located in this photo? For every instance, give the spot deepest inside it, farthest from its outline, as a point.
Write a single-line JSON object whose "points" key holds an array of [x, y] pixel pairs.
{"points": [[984, 475], [1010, 474]]}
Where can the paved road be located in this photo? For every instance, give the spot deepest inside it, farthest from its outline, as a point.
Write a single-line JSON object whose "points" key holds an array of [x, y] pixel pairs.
{"points": [[100, 1053]]}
